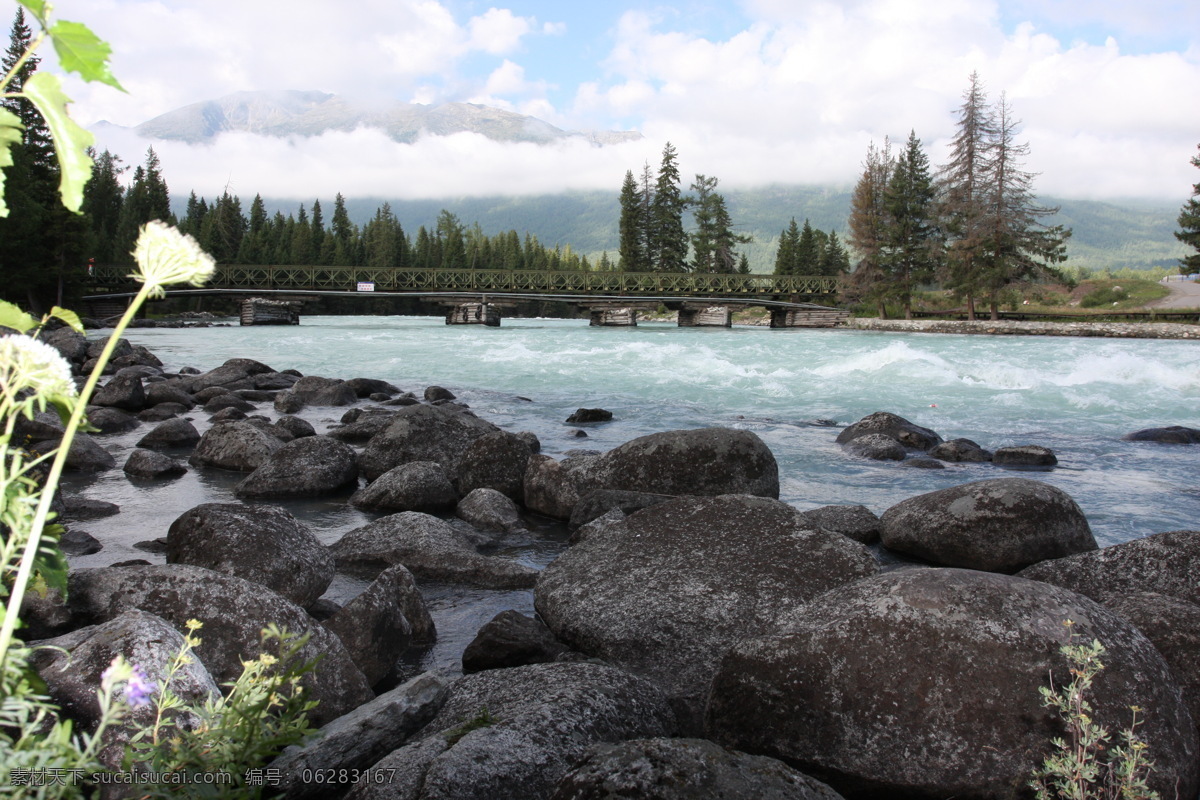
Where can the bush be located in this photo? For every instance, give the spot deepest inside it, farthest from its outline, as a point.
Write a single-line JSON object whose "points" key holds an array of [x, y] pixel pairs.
{"points": [[1105, 296]]}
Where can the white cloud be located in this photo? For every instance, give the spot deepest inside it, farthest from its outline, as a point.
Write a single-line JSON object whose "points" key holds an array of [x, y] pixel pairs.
{"points": [[498, 31]]}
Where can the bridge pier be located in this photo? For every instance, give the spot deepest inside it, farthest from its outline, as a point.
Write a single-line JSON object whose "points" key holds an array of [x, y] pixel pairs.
{"points": [[701, 315], [615, 315], [257, 311], [473, 314], [809, 317]]}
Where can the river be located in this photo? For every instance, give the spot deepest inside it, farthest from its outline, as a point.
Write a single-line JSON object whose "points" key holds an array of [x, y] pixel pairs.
{"points": [[791, 387]]}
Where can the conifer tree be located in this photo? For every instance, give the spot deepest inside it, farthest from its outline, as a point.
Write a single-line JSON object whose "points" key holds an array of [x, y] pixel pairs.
{"points": [[1189, 226], [631, 252], [808, 252], [785, 255], [102, 199], [343, 235], [868, 227], [834, 258], [668, 243], [714, 241], [302, 249], [910, 239]]}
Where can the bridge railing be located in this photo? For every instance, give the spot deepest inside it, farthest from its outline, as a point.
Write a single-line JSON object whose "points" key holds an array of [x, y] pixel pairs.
{"points": [[404, 279]]}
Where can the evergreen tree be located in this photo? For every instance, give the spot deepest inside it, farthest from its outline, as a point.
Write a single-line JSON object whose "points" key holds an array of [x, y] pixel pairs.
{"points": [[785, 255], [910, 241], [158, 199], [254, 248], [343, 234], [714, 241], [224, 228], [383, 239], [102, 199], [834, 258], [193, 220], [743, 267], [146, 199], [511, 255], [453, 243], [302, 250], [808, 252], [668, 243], [1189, 226], [632, 251], [868, 227]]}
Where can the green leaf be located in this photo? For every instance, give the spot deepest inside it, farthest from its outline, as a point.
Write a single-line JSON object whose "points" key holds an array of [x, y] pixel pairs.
{"points": [[83, 52], [70, 140], [69, 317], [38, 8], [10, 134], [15, 318]]}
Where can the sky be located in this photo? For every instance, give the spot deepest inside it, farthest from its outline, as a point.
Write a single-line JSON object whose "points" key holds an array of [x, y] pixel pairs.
{"points": [[753, 92]]}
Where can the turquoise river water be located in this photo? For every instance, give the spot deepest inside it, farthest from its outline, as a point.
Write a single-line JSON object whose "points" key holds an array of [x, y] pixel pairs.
{"points": [[794, 388]]}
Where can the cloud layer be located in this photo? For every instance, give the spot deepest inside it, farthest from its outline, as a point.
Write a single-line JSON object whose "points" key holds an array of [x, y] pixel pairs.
{"points": [[793, 95]]}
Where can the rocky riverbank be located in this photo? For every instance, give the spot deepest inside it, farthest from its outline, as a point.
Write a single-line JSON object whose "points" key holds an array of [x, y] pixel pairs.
{"points": [[1116, 330], [832, 644]]}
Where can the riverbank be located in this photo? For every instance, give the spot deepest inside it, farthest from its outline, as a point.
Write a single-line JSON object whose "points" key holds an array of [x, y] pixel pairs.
{"points": [[1112, 330]]}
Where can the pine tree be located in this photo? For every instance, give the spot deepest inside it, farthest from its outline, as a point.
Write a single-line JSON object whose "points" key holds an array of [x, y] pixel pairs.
{"points": [[1189, 226], [714, 241], [343, 234], [785, 255], [453, 245], [223, 230], [808, 252], [834, 258], [910, 240], [868, 227], [668, 243], [102, 199], [254, 249], [632, 250]]}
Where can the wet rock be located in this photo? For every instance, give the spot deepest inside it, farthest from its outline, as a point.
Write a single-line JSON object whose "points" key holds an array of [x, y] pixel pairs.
{"points": [[960, 450], [489, 510], [684, 769], [964, 653], [1172, 434], [85, 455], [168, 392], [365, 387], [112, 420], [81, 508], [308, 467], [316, 391], [296, 426], [598, 503], [1163, 563], [423, 433], [169, 434], [45, 426], [237, 446], [998, 525], [227, 376], [70, 343], [430, 549], [877, 446], [228, 401], [511, 639], [585, 415], [362, 426], [234, 612], [259, 543], [230, 415], [897, 427], [121, 392], [152, 464], [665, 592], [511, 734], [435, 393], [496, 460], [1026, 455], [553, 487], [920, 462], [79, 543], [857, 522], [161, 412], [416, 486]]}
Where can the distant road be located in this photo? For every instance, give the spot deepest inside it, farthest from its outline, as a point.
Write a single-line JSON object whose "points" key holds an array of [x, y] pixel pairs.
{"points": [[1184, 294]]}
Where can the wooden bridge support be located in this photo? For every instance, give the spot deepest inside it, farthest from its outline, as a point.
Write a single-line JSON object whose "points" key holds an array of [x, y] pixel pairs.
{"points": [[705, 316], [258, 311], [613, 317], [473, 314], [809, 318]]}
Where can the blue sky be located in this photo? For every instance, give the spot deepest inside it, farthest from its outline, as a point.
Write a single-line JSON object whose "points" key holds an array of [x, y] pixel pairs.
{"points": [[754, 92]]}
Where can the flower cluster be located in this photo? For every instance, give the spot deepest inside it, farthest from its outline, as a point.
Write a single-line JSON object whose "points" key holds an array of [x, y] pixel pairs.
{"points": [[165, 256]]}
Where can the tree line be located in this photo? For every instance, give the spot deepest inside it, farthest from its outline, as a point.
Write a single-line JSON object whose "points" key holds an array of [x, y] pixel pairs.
{"points": [[975, 227]]}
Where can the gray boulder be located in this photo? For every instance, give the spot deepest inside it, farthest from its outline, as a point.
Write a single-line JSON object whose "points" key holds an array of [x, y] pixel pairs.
{"points": [[436, 393], [1163, 563], [666, 591], [363, 426], [600, 502], [415, 486], [85, 455], [431, 549], [423, 433], [512, 734], [960, 450], [496, 460], [238, 446], [111, 420], [553, 487], [857, 522], [152, 464], [171, 433], [310, 467], [121, 392], [312, 390], [1172, 434], [1025, 455], [876, 446], [999, 525], [70, 343], [684, 769], [228, 401], [228, 376], [168, 392], [234, 613], [83, 508], [296, 427], [944, 663], [259, 543], [365, 387], [897, 427], [489, 510], [583, 416], [511, 639]]}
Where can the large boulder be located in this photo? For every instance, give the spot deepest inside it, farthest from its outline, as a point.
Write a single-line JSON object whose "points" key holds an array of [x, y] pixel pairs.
{"points": [[998, 525], [260, 543], [553, 487], [960, 450], [704, 461], [1172, 434], [1024, 455], [897, 427], [431, 549], [363, 426], [1163, 563], [857, 522], [684, 769], [489, 510], [234, 613], [238, 446], [152, 464], [308, 467], [121, 391], [168, 392], [176, 432], [423, 433], [111, 420], [511, 734], [600, 502], [925, 683], [666, 591], [495, 461], [511, 639], [876, 446], [312, 390], [415, 486], [85, 455]]}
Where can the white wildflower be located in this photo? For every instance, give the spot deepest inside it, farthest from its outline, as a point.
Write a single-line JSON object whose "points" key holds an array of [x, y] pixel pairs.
{"points": [[26, 363], [165, 256]]}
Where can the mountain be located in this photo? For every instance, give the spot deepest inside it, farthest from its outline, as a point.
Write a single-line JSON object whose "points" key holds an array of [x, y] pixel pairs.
{"points": [[296, 113]]}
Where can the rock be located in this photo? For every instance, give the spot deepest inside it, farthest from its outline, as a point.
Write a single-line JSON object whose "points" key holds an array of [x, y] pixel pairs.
{"points": [[684, 769], [958, 450], [161, 412], [877, 446], [237, 446], [77, 507], [496, 460], [308, 467], [423, 433], [1163, 563], [489, 510], [298, 427], [121, 348], [254, 396], [357, 740], [415, 486], [79, 543], [431, 549], [168, 392], [70, 343], [1173, 434], [228, 401], [45, 426], [233, 415], [920, 462], [121, 392], [149, 374], [316, 391], [169, 434], [152, 464], [435, 393], [998, 525], [511, 639], [274, 381], [234, 612], [512, 734], [85, 455], [227, 375], [1173, 627], [259, 543], [112, 420], [1026, 455], [204, 395], [365, 387], [897, 427], [598, 503], [705, 461], [553, 487], [381, 622], [665, 592], [964, 654], [857, 522], [363, 426], [585, 415]]}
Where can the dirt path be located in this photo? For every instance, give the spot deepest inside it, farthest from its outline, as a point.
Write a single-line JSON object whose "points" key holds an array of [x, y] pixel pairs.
{"points": [[1184, 294]]}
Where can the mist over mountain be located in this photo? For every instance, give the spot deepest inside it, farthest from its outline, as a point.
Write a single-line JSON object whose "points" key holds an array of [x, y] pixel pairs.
{"points": [[309, 113]]}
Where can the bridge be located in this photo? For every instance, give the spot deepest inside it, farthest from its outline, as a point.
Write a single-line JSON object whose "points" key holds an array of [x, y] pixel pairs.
{"points": [[476, 295]]}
